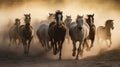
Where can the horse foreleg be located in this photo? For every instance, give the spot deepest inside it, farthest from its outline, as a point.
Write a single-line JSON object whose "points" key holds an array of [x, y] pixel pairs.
{"points": [[55, 48], [25, 47], [74, 48], [29, 45], [80, 50], [110, 42], [60, 49], [10, 41]]}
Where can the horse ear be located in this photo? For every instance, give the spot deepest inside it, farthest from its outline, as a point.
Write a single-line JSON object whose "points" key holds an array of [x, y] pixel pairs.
{"points": [[87, 15], [49, 14], [24, 14], [93, 14], [61, 11], [66, 16], [78, 15], [29, 14], [82, 16]]}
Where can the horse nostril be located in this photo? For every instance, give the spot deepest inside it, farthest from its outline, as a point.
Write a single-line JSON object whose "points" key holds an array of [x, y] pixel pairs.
{"points": [[112, 27], [79, 28]]}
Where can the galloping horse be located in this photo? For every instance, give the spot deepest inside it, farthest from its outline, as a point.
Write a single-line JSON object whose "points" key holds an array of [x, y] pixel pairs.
{"points": [[57, 32], [68, 21], [42, 31], [13, 32], [79, 31], [90, 21], [104, 33], [26, 33]]}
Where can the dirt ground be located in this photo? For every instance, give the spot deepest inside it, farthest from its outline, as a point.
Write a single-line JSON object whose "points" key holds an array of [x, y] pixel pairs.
{"points": [[12, 56]]}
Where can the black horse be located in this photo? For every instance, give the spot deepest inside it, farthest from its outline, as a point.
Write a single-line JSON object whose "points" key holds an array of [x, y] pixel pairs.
{"points": [[57, 32], [26, 33], [90, 21]]}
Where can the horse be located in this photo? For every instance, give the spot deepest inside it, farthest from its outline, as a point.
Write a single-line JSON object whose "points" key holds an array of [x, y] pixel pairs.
{"points": [[79, 31], [26, 33], [67, 22], [90, 21], [42, 31], [104, 32], [57, 32], [13, 32]]}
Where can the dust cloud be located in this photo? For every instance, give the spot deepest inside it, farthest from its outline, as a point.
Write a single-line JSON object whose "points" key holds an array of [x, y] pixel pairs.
{"points": [[39, 9]]}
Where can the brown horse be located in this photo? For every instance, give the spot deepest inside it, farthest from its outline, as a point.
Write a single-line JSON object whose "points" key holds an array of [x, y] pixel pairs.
{"points": [[26, 33], [13, 32], [90, 21], [57, 32], [104, 33]]}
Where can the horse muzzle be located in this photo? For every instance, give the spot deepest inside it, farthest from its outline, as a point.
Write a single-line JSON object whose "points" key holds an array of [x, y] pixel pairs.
{"points": [[79, 28], [112, 27]]}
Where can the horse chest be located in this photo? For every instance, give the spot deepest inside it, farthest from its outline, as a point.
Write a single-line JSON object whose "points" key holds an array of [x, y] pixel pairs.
{"points": [[79, 35]]}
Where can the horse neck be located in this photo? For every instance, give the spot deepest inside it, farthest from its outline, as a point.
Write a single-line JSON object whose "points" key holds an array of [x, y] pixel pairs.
{"points": [[50, 20], [27, 26], [66, 23], [107, 28]]}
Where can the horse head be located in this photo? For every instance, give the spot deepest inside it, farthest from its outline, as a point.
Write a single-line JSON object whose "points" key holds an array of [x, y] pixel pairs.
{"points": [[51, 17], [68, 19], [79, 22], [58, 16], [109, 24], [17, 22], [27, 18], [90, 19]]}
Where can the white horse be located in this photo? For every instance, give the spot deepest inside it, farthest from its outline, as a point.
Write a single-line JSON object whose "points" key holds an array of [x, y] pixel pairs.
{"points": [[67, 22], [79, 31], [104, 33], [13, 32], [42, 31]]}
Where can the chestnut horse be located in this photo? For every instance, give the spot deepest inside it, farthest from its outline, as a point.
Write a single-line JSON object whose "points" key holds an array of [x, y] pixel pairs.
{"points": [[104, 32]]}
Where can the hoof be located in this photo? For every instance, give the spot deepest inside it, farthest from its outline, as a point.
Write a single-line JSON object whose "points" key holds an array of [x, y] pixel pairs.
{"points": [[76, 58], [109, 46], [81, 54], [60, 59], [73, 54], [88, 49], [54, 52]]}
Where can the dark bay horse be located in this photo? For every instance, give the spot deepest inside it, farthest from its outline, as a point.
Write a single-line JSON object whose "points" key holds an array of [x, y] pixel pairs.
{"points": [[90, 21], [26, 33], [57, 32]]}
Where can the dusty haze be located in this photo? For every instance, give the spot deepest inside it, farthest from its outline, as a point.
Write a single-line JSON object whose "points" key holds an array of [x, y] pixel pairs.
{"points": [[39, 9]]}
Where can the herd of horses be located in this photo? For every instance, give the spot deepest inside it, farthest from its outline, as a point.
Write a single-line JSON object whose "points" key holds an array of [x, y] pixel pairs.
{"points": [[53, 31]]}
